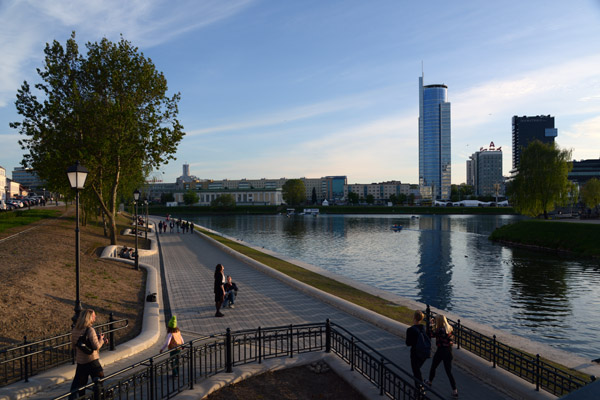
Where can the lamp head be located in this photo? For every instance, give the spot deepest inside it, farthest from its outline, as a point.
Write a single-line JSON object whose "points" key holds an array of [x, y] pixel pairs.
{"points": [[136, 195], [77, 174]]}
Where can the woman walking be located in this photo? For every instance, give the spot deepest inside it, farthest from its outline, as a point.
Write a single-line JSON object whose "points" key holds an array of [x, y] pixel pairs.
{"points": [[174, 340], [443, 333], [219, 288], [88, 365]]}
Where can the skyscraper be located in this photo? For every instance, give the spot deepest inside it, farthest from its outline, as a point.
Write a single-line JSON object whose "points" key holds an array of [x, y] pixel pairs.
{"points": [[528, 129], [434, 139]]}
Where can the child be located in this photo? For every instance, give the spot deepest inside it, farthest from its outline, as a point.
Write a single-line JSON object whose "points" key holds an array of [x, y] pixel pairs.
{"points": [[174, 340]]}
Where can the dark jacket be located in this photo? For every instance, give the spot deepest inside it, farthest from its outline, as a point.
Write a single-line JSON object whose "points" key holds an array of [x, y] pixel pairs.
{"points": [[412, 335]]}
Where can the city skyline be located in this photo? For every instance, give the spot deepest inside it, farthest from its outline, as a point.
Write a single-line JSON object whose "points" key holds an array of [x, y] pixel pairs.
{"points": [[315, 89]]}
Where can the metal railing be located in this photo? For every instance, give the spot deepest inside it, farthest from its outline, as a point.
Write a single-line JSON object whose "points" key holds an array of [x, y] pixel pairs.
{"points": [[20, 362], [526, 366], [165, 375]]}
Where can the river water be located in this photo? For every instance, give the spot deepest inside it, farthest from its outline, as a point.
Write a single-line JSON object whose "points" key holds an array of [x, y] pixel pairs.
{"points": [[447, 262]]}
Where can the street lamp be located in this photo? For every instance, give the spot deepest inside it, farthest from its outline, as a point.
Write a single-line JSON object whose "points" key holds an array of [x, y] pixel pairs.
{"points": [[136, 197], [77, 175], [146, 203]]}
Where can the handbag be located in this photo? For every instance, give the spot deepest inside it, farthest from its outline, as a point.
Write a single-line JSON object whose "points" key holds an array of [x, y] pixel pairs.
{"points": [[83, 343]]}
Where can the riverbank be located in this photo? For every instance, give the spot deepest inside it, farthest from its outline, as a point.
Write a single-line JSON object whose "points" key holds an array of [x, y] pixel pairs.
{"points": [[273, 210], [573, 238]]}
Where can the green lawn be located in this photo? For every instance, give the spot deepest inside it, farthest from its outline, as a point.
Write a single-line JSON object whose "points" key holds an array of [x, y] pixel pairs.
{"points": [[11, 219]]}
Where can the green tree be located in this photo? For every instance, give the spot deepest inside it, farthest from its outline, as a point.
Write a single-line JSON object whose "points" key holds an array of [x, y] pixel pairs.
{"points": [[393, 199], [402, 198], [314, 196], [370, 199], [190, 197], [107, 109], [542, 182], [294, 191], [411, 199], [166, 197], [353, 198], [224, 200], [590, 193]]}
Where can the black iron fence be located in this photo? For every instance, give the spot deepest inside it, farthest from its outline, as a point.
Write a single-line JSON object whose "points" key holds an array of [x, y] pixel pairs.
{"points": [[165, 375], [20, 362], [531, 368]]}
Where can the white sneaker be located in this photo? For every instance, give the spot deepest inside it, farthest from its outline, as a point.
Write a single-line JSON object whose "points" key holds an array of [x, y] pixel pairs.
{"points": [[231, 306]]}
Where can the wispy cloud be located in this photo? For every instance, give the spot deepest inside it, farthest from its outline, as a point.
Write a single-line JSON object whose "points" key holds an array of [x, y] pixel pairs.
{"points": [[145, 23]]}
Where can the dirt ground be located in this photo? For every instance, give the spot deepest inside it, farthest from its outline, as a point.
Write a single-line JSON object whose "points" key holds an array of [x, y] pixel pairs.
{"points": [[298, 383], [37, 280]]}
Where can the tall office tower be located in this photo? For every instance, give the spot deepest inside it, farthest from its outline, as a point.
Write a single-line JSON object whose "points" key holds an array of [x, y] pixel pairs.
{"points": [[186, 169], [484, 171], [528, 129], [434, 139]]}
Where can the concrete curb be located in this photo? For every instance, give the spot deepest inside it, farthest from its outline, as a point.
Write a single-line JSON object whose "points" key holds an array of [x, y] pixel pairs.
{"points": [[149, 335], [503, 380]]}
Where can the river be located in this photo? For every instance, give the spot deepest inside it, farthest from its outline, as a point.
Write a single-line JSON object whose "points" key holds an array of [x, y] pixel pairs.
{"points": [[446, 261]]}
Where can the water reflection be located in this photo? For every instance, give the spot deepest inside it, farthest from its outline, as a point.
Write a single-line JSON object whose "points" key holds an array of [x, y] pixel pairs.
{"points": [[435, 264]]}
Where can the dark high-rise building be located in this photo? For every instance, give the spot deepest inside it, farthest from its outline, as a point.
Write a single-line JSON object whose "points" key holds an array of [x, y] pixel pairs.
{"points": [[528, 129], [584, 170]]}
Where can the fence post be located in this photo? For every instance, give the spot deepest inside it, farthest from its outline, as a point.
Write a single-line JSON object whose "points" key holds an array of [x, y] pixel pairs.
{"points": [[458, 334], [381, 366], [97, 389], [327, 336], [537, 372], [494, 352], [191, 368], [228, 351], [151, 380], [352, 354], [111, 335], [291, 341], [26, 359], [259, 345], [428, 316]]}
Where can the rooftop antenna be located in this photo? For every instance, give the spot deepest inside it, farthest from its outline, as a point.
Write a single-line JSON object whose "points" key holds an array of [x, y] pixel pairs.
{"points": [[422, 70]]}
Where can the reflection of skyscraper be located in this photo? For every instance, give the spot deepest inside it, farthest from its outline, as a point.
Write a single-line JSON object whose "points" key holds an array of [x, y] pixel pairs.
{"points": [[435, 264], [434, 139]]}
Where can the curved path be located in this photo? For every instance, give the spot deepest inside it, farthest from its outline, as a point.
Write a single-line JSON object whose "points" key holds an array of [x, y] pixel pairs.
{"points": [[190, 260]]}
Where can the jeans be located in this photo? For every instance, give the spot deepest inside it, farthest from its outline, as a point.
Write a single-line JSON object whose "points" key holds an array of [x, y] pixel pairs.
{"points": [[92, 369], [229, 298]]}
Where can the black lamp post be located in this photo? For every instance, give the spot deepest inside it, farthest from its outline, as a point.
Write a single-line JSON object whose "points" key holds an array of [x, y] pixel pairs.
{"points": [[77, 175], [146, 203], [136, 197]]}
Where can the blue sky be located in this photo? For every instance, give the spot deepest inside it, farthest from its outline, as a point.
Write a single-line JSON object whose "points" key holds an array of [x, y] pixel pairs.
{"points": [[305, 88]]}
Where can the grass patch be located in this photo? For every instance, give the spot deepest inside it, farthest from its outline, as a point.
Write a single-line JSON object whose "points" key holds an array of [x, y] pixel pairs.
{"points": [[579, 238], [17, 218]]}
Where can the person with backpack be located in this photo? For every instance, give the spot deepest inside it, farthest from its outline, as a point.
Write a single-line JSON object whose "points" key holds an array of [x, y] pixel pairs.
{"points": [[420, 347], [86, 356], [173, 341], [443, 333]]}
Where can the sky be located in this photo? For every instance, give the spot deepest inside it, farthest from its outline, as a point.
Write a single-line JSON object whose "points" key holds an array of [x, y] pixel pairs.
{"points": [[305, 88]]}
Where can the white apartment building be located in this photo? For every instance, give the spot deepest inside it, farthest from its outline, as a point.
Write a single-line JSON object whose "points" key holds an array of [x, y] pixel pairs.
{"points": [[381, 192]]}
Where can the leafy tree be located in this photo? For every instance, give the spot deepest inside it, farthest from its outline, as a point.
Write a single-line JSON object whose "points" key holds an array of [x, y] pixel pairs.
{"points": [[294, 191], [166, 197], [542, 181], [107, 109], [411, 199], [402, 198], [590, 193], [314, 196], [353, 198], [224, 200], [370, 199], [393, 199], [190, 197]]}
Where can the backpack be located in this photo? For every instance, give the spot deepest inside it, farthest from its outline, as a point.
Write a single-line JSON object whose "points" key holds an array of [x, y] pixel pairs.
{"points": [[83, 343], [423, 346]]}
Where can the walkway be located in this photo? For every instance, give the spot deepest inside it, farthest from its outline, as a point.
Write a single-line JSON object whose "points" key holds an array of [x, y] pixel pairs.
{"points": [[190, 261]]}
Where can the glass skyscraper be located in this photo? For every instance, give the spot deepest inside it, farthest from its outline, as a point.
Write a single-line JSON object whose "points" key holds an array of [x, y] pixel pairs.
{"points": [[434, 139]]}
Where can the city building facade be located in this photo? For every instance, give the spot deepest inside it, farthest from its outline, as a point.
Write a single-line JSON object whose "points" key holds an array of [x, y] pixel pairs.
{"points": [[484, 171], [527, 129], [434, 140], [3, 184], [584, 170], [253, 197], [381, 192], [28, 178]]}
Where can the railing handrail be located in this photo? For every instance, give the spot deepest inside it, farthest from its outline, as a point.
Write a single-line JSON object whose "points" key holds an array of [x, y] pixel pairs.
{"points": [[157, 368]]}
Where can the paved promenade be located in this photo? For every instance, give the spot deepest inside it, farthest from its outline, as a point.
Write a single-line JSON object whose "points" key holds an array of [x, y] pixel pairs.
{"points": [[190, 262]]}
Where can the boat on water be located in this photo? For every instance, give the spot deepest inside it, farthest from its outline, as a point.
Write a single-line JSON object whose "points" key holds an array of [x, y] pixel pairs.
{"points": [[397, 227]]}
